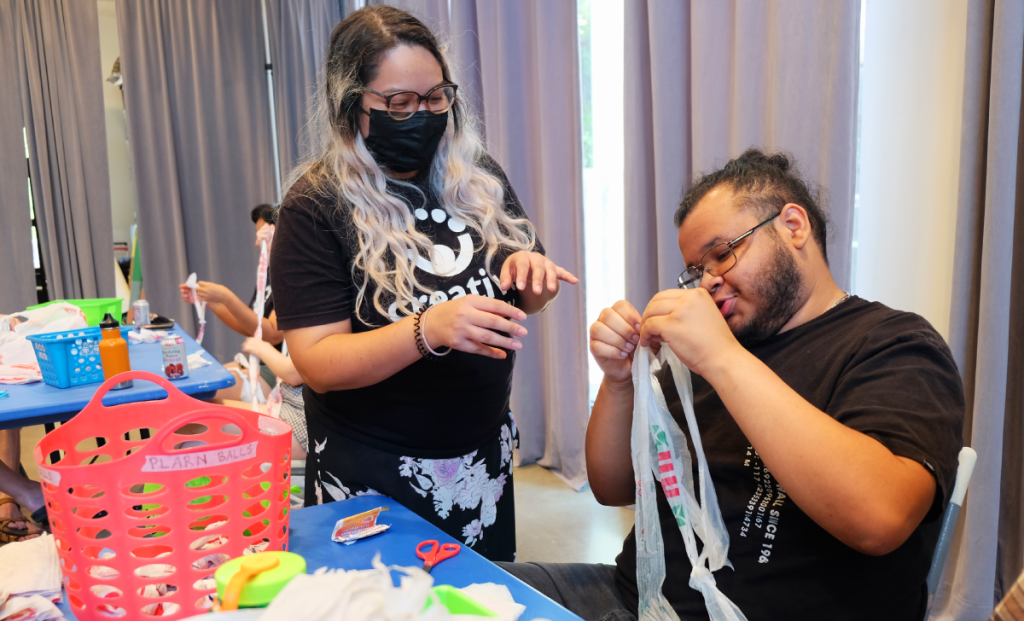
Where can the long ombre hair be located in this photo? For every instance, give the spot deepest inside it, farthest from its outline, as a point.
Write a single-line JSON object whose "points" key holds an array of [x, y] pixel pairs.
{"points": [[341, 166]]}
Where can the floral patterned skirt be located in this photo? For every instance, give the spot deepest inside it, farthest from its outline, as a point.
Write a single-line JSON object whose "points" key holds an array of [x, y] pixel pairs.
{"points": [[469, 497]]}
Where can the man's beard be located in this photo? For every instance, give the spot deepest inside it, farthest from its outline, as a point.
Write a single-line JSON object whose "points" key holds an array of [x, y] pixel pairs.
{"points": [[778, 298]]}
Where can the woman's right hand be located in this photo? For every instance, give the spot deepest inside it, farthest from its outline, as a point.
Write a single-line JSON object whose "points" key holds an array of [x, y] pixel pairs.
{"points": [[613, 341], [470, 323]]}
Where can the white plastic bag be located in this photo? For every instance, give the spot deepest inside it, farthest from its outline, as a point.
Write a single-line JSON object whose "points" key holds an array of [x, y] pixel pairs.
{"points": [[193, 284], [257, 307], [660, 454]]}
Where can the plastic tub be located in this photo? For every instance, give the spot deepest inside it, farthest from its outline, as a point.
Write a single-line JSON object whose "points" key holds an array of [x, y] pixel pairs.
{"points": [[141, 524], [71, 358], [94, 309]]}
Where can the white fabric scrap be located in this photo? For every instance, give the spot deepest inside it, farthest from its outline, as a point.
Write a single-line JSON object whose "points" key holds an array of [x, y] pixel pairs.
{"points": [[142, 335], [361, 595], [196, 360], [193, 284], [30, 568]]}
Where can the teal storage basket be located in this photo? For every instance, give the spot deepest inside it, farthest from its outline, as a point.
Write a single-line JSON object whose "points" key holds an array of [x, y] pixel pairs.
{"points": [[71, 358]]}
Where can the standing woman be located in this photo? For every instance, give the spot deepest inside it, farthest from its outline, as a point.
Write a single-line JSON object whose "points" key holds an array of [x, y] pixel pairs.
{"points": [[401, 264]]}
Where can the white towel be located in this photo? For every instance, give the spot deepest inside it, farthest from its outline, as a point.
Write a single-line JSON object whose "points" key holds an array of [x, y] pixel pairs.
{"points": [[31, 568]]}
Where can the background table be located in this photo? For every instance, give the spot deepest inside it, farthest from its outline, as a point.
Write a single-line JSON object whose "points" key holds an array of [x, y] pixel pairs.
{"points": [[310, 536], [36, 403]]}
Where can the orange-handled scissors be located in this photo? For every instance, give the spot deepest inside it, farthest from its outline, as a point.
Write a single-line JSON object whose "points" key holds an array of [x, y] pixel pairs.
{"points": [[436, 553]]}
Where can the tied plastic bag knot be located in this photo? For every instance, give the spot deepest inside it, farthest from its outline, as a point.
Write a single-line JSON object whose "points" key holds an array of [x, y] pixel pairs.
{"points": [[660, 456]]}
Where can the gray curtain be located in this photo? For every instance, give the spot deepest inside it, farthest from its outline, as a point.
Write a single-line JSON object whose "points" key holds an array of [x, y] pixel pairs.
{"points": [[57, 58], [300, 32], [528, 67], [199, 122], [987, 314], [518, 64], [18, 278], [707, 80]]}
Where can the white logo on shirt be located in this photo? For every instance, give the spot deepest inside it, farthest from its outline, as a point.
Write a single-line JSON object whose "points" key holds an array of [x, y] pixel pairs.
{"points": [[446, 262]]}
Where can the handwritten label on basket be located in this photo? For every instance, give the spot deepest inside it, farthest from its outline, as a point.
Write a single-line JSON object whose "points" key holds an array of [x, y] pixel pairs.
{"points": [[205, 459], [51, 477]]}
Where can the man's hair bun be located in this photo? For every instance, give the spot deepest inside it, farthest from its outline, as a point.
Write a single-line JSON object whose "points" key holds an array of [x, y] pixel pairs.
{"points": [[756, 157]]}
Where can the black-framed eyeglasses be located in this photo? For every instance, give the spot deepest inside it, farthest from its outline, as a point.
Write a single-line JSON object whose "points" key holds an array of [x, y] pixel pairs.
{"points": [[404, 104], [717, 261]]}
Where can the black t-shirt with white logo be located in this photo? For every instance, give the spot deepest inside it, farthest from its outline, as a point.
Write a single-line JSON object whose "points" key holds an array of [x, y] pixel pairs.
{"points": [[885, 373], [432, 408]]}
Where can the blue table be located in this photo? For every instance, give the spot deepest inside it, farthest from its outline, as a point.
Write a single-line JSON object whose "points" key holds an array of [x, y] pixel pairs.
{"points": [[37, 403], [310, 536]]}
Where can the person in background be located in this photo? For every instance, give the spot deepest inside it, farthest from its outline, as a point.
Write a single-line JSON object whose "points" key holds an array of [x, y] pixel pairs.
{"points": [[293, 410], [17, 492], [831, 425], [281, 366], [396, 252], [238, 315]]}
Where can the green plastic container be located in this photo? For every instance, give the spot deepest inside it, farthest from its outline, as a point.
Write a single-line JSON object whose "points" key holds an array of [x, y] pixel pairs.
{"points": [[264, 587], [94, 309]]}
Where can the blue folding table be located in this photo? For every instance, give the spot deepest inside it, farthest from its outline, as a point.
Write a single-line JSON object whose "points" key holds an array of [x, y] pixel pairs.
{"points": [[310, 536], [37, 403]]}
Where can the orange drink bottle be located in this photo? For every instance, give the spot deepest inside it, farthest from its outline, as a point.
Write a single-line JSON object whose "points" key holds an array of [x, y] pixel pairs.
{"points": [[114, 351]]}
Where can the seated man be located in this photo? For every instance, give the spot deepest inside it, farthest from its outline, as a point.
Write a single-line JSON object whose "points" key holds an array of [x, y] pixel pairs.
{"points": [[238, 315], [831, 424]]}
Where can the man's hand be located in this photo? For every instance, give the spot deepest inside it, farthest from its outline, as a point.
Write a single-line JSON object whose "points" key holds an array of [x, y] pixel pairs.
{"points": [[212, 293], [526, 268], [689, 322], [613, 340]]}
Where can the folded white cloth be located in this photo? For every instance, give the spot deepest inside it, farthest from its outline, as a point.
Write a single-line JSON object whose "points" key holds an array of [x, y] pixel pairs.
{"points": [[31, 568], [34, 608]]}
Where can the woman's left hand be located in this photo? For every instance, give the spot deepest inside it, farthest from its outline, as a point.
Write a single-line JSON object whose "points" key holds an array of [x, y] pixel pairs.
{"points": [[523, 268]]}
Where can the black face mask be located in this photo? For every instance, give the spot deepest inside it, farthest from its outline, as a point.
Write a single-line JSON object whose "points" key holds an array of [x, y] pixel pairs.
{"points": [[405, 146]]}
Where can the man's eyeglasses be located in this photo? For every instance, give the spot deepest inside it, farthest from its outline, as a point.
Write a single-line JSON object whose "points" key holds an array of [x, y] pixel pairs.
{"points": [[404, 104], [717, 261]]}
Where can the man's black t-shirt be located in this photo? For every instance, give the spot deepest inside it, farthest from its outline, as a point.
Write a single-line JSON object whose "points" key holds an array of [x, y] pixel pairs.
{"points": [[885, 373], [432, 408]]}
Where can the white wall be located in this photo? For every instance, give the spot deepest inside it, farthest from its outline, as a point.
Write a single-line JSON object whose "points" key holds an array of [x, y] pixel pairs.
{"points": [[912, 83], [122, 195]]}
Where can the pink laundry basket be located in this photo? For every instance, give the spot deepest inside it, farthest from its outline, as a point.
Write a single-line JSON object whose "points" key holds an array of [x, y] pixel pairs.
{"points": [[140, 525]]}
